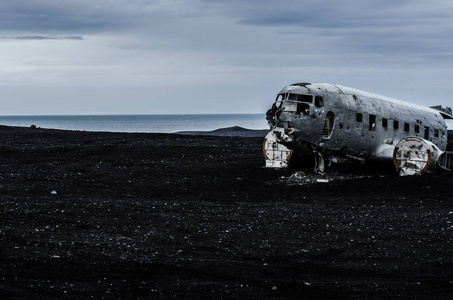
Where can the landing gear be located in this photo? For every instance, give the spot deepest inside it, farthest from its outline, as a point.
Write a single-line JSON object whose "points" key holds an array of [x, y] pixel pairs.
{"points": [[320, 163], [324, 159]]}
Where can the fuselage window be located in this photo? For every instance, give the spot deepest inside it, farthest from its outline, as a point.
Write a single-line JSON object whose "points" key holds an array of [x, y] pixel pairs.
{"points": [[372, 123], [426, 133], [396, 124], [384, 122], [417, 128], [358, 117], [436, 133], [406, 127]]}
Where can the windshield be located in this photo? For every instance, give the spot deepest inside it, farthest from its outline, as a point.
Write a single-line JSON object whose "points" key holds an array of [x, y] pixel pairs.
{"points": [[295, 98]]}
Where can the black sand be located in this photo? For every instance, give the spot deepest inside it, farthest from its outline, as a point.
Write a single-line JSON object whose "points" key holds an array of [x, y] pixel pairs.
{"points": [[115, 215]]}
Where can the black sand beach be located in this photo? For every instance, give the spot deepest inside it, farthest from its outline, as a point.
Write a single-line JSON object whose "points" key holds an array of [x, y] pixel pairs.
{"points": [[117, 215]]}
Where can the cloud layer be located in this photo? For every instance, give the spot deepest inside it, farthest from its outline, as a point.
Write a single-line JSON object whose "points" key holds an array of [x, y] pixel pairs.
{"points": [[205, 56]]}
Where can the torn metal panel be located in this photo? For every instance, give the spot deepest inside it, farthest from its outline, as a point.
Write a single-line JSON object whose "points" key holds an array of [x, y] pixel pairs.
{"points": [[445, 161], [415, 156], [336, 121], [276, 154]]}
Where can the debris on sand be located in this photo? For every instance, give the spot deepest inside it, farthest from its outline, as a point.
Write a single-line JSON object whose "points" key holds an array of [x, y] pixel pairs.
{"points": [[305, 178]]}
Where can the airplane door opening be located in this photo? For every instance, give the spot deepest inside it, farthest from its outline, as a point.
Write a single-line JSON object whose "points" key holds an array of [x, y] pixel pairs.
{"points": [[328, 125], [427, 133]]}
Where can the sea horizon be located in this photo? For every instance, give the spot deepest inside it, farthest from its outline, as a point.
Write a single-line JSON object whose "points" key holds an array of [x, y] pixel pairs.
{"points": [[72, 115], [156, 123]]}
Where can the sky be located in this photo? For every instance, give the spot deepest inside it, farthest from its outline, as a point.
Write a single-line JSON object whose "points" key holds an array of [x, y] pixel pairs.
{"points": [[76, 57]]}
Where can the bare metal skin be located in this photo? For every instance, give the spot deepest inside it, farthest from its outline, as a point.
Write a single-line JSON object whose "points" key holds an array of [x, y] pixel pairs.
{"points": [[340, 123]]}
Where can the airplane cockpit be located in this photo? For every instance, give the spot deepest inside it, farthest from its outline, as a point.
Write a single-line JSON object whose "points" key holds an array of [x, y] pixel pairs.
{"points": [[298, 103], [294, 104]]}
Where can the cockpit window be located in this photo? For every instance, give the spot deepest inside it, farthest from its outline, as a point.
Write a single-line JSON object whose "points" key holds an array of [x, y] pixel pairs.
{"points": [[279, 100], [301, 98], [292, 97], [295, 97], [297, 103]]}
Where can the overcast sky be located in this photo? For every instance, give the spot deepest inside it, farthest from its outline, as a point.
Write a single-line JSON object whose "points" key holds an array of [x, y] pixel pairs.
{"points": [[208, 56]]}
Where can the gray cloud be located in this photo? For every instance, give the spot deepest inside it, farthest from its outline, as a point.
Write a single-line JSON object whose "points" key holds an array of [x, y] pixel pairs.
{"points": [[358, 26], [71, 15], [39, 38]]}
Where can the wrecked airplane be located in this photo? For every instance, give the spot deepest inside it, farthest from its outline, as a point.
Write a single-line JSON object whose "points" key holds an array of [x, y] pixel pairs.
{"points": [[336, 124]]}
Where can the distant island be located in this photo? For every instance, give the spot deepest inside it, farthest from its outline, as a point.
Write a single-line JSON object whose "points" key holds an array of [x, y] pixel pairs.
{"points": [[229, 131]]}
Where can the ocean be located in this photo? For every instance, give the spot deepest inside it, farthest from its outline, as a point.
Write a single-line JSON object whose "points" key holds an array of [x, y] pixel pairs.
{"points": [[140, 123]]}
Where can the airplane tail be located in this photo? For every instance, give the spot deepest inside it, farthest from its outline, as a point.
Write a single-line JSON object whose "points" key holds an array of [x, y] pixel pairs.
{"points": [[446, 112]]}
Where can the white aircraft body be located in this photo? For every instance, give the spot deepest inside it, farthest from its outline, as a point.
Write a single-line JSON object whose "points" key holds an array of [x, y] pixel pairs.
{"points": [[338, 124]]}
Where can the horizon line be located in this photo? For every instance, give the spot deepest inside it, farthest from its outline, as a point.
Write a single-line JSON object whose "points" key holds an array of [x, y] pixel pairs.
{"points": [[165, 114]]}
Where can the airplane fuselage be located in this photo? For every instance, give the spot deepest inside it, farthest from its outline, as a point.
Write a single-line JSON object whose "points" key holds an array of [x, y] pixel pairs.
{"points": [[353, 123]]}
